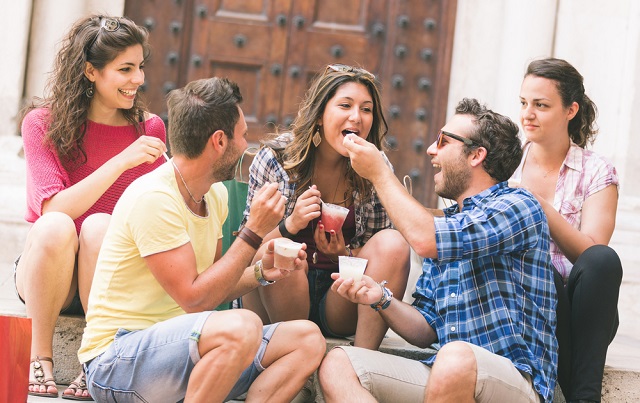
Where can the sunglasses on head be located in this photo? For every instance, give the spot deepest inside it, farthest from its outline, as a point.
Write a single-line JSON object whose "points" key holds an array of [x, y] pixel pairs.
{"points": [[343, 68], [465, 140], [107, 24]]}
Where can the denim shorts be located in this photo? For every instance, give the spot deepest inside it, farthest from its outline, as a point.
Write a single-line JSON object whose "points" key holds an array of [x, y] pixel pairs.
{"points": [[74, 308], [319, 284], [154, 364]]}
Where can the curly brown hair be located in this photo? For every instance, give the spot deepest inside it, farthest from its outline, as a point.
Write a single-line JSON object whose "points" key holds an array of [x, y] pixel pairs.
{"points": [[298, 156], [66, 99], [497, 134]]}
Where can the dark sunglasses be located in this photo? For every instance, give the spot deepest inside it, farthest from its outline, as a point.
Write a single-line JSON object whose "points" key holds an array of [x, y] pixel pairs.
{"points": [[465, 140], [109, 25], [343, 68]]}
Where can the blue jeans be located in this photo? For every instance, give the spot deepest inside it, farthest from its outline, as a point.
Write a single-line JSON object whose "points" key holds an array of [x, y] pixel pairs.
{"points": [[319, 284], [154, 364]]}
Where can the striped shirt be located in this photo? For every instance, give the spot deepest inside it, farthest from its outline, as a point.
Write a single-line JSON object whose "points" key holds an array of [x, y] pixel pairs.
{"points": [[492, 283], [370, 216], [582, 174]]}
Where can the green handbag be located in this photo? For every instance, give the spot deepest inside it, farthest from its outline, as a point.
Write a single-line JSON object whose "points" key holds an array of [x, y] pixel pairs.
{"points": [[237, 189]]}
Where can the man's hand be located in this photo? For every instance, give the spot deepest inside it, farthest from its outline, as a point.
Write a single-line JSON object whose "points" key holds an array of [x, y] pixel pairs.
{"points": [[271, 273], [366, 159], [267, 209], [365, 292]]}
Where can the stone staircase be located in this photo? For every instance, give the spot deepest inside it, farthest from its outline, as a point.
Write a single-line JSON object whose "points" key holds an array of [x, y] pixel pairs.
{"points": [[619, 385], [621, 382]]}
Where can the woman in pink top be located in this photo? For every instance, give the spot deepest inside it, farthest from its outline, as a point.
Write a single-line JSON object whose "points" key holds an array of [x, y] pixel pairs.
{"points": [[84, 144], [578, 190]]}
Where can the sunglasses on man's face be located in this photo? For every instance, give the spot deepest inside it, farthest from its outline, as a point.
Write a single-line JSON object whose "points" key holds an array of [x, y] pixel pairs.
{"points": [[465, 140]]}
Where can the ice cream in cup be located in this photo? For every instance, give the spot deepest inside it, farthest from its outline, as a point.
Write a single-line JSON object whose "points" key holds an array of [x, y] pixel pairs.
{"points": [[333, 216], [352, 267], [285, 253]]}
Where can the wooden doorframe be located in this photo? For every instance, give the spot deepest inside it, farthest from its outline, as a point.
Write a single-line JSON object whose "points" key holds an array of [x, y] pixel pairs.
{"points": [[441, 92]]}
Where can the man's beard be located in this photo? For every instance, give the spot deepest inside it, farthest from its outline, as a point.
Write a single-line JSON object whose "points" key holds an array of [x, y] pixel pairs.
{"points": [[455, 181], [225, 168]]}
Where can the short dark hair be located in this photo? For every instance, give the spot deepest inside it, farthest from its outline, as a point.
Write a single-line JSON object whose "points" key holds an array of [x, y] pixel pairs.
{"points": [[498, 134], [198, 110], [569, 82]]}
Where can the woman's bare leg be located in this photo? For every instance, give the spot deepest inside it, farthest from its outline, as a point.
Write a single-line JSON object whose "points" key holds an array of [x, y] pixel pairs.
{"points": [[388, 255], [46, 281]]}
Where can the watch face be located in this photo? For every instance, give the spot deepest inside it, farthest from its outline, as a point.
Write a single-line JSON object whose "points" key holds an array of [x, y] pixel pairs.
{"points": [[257, 271]]}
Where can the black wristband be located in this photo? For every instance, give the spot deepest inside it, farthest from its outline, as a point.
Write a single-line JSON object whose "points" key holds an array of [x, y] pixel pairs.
{"points": [[283, 230]]}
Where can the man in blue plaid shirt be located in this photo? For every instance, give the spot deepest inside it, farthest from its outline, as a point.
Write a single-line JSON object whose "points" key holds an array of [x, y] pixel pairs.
{"points": [[486, 293]]}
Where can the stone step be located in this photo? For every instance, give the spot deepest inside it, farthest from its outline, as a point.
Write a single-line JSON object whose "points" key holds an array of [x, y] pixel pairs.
{"points": [[619, 385]]}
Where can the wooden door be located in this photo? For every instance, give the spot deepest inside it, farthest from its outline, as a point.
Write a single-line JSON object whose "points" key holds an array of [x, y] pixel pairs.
{"points": [[273, 48]]}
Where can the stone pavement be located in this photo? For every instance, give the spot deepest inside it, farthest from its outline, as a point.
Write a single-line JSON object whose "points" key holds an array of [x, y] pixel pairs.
{"points": [[622, 382]]}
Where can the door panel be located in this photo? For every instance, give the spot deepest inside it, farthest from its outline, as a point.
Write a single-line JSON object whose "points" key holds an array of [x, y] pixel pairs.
{"points": [[326, 32], [273, 49], [247, 75]]}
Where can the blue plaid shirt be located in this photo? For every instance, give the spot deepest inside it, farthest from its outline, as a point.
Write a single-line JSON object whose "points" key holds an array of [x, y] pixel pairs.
{"points": [[370, 216], [492, 283]]}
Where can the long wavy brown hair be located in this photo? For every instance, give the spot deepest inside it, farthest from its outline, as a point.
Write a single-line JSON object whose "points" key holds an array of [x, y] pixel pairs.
{"points": [[298, 156], [66, 100]]}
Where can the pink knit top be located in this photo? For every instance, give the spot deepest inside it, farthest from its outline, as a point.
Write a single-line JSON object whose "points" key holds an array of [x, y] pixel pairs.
{"points": [[46, 175]]}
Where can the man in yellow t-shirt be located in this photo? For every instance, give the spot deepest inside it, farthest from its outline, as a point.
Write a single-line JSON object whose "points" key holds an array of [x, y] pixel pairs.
{"points": [[152, 332]]}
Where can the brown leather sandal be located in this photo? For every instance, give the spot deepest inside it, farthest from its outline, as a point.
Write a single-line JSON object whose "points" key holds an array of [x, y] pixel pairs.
{"points": [[38, 373], [76, 386]]}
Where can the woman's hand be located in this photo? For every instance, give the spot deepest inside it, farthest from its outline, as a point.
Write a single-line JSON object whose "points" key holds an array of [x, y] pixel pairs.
{"points": [[307, 208], [145, 149], [332, 248], [365, 291]]}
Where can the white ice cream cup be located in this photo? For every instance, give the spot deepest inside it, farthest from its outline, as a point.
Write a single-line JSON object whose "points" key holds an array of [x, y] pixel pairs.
{"points": [[285, 253], [352, 267]]}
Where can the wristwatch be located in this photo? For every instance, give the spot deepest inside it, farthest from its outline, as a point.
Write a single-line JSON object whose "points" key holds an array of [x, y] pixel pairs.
{"points": [[257, 271], [385, 299]]}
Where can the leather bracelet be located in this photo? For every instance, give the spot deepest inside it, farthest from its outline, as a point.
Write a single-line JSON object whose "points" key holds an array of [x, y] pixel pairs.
{"points": [[284, 231], [250, 237], [256, 238], [257, 271]]}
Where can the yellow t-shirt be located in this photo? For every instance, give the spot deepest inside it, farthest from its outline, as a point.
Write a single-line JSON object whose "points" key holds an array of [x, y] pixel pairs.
{"points": [[150, 217]]}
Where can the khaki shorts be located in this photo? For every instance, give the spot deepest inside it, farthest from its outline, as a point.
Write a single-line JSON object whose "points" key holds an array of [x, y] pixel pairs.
{"points": [[392, 379]]}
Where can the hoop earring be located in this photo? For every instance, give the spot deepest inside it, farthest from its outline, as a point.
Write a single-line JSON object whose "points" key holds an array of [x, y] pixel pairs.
{"points": [[317, 139], [89, 92]]}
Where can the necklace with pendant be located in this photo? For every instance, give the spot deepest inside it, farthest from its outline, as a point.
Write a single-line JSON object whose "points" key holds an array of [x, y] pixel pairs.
{"points": [[314, 256], [545, 174], [185, 185]]}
